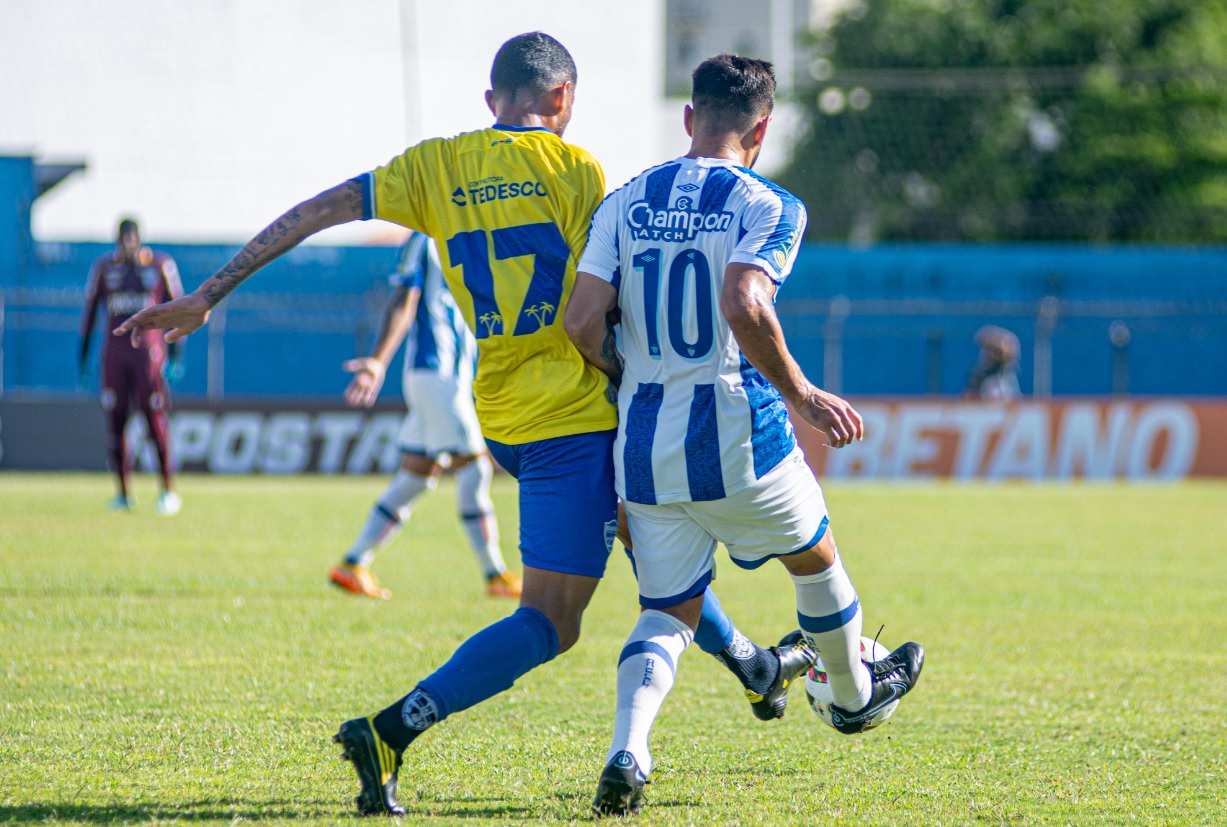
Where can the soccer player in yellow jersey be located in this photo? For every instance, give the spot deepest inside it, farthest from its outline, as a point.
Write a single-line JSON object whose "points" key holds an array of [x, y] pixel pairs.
{"points": [[509, 208]]}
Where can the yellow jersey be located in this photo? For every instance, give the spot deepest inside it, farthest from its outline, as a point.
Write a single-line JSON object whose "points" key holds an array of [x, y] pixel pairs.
{"points": [[509, 209]]}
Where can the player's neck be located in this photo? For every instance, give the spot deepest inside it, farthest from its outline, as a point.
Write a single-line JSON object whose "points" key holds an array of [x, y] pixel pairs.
{"points": [[724, 147], [528, 120]]}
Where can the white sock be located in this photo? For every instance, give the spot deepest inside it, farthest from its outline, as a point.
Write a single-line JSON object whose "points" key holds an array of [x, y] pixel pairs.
{"points": [[646, 670], [477, 515], [391, 510], [830, 617]]}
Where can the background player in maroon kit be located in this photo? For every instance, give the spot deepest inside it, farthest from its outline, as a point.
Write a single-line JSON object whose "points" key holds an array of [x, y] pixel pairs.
{"points": [[131, 278]]}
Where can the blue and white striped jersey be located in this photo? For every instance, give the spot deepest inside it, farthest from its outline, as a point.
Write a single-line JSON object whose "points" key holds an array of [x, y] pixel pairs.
{"points": [[439, 341], [696, 420]]}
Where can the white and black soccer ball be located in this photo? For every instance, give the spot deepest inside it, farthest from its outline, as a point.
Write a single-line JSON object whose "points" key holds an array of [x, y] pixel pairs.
{"points": [[819, 690]]}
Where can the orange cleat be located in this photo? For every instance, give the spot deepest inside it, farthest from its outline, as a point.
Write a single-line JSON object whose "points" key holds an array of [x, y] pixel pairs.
{"points": [[358, 580], [504, 584]]}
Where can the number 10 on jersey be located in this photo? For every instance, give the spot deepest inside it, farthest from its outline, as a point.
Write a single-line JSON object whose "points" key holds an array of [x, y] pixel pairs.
{"points": [[651, 263]]}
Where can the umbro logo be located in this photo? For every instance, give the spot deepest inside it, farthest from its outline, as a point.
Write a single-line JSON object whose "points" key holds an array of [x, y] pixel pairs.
{"points": [[688, 187]]}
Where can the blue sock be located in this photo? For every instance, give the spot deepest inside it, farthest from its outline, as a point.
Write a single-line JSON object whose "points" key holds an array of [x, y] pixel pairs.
{"points": [[486, 664], [753, 665], [715, 632]]}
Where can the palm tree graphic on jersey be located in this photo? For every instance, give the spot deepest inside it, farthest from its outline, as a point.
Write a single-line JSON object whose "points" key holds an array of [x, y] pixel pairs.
{"points": [[490, 319], [540, 311]]}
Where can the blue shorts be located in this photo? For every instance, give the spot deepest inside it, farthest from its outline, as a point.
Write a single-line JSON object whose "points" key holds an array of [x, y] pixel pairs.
{"points": [[568, 507]]}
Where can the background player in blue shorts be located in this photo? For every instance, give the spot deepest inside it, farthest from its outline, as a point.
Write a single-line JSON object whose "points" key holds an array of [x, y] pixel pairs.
{"points": [[441, 424], [691, 254], [510, 208]]}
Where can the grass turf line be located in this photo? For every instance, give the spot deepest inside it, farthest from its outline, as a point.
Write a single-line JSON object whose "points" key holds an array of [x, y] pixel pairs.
{"points": [[194, 668]]}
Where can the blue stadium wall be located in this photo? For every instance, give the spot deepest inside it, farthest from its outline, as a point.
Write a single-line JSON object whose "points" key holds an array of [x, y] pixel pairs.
{"points": [[914, 310], [888, 353]]}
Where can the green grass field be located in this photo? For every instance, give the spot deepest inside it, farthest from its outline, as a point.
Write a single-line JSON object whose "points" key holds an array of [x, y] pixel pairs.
{"points": [[194, 669]]}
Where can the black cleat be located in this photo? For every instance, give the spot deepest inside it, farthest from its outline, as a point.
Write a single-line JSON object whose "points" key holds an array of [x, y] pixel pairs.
{"points": [[795, 656], [893, 677], [620, 790], [376, 764]]}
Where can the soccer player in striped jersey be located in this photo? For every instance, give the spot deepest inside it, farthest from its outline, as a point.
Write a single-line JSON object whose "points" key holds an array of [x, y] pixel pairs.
{"points": [[510, 206], [691, 254], [438, 386]]}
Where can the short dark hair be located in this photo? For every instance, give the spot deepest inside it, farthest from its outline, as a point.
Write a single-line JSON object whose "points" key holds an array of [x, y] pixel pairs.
{"points": [[731, 93], [533, 61], [127, 225]]}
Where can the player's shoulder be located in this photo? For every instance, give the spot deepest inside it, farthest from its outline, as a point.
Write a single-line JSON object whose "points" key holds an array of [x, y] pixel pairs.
{"points": [[634, 186], [158, 258], [758, 188]]}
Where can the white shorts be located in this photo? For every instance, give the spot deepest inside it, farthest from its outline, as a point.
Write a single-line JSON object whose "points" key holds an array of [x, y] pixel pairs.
{"points": [[675, 545], [442, 419]]}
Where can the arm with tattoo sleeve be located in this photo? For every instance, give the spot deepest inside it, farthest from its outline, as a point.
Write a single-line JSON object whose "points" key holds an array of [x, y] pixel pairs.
{"points": [[339, 205]]}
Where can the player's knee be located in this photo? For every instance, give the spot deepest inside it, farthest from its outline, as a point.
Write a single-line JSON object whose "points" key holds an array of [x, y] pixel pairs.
{"points": [[815, 559]]}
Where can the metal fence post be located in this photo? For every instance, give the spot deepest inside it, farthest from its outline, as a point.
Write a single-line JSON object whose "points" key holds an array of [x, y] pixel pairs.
{"points": [[216, 370], [1045, 323], [833, 345]]}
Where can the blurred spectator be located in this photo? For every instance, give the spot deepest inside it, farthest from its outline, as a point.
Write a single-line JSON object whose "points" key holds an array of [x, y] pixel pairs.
{"points": [[995, 375]]}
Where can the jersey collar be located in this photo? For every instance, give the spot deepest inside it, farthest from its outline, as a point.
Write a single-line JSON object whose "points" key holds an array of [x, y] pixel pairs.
{"points": [[506, 128]]}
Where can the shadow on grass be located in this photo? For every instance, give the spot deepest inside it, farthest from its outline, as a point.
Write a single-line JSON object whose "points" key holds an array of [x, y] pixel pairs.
{"points": [[121, 813], [145, 812]]}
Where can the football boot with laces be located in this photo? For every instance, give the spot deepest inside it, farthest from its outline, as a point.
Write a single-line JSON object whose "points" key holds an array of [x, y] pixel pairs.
{"points": [[893, 677], [795, 656]]}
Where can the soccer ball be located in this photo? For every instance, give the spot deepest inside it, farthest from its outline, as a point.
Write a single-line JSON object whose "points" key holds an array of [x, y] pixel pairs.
{"points": [[819, 691]]}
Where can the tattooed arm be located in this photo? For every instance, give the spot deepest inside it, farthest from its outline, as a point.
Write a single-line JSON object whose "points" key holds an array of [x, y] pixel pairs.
{"points": [[339, 205], [589, 321]]}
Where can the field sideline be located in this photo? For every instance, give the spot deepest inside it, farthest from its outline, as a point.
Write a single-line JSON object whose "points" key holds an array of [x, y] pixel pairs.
{"points": [[195, 668]]}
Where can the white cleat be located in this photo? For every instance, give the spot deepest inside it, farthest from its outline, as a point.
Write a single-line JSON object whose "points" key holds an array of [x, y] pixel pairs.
{"points": [[168, 504]]}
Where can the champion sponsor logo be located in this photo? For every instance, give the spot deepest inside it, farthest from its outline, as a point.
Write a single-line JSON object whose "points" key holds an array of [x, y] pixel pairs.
{"points": [[680, 223]]}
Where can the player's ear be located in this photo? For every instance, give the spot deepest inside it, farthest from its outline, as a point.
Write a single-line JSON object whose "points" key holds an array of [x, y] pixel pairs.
{"points": [[559, 97], [759, 133], [490, 102], [688, 120]]}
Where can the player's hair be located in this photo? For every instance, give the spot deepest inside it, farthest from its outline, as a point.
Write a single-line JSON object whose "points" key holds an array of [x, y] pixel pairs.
{"points": [[731, 93], [127, 225], [533, 61]]}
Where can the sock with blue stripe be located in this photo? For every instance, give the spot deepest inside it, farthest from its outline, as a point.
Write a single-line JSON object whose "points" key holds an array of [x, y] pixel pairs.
{"points": [[390, 512], [486, 664], [646, 669], [716, 635], [477, 514], [830, 617]]}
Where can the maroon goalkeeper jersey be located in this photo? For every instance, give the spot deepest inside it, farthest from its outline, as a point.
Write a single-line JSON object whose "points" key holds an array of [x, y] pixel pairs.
{"points": [[123, 289]]}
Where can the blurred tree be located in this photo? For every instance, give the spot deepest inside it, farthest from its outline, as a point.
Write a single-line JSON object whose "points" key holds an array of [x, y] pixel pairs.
{"points": [[1018, 119]]}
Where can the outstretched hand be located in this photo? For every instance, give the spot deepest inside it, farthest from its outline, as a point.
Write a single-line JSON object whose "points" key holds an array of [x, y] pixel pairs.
{"points": [[179, 317], [834, 417], [368, 379]]}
